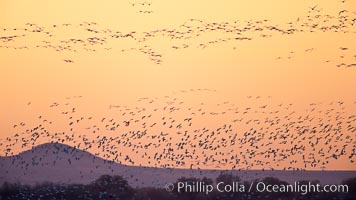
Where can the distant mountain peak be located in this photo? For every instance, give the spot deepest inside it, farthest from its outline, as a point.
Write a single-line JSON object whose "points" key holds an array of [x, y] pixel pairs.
{"points": [[53, 146], [61, 163]]}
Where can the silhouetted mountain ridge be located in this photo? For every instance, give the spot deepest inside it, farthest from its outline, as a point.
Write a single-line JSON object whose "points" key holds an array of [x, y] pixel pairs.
{"points": [[61, 163]]}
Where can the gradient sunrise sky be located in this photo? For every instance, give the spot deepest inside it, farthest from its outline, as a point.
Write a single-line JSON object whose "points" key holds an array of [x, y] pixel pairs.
{"points": [[299, 68]]}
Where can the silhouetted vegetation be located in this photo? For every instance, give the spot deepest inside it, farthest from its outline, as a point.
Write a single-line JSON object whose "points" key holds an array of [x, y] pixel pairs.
{"points": [[352, 185], [115, 187]]}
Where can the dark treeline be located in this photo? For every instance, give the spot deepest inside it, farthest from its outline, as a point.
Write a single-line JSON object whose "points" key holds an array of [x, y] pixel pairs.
{"points": [[115, 187]]}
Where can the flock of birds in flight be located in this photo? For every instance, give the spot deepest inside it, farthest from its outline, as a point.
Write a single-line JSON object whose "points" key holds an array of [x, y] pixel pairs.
{"points": [[191, 34], [143, 7], [264, 136], [169, 132]]}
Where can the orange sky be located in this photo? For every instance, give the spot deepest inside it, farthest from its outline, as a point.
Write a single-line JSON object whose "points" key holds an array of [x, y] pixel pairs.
{"points": [[235, 69]]}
